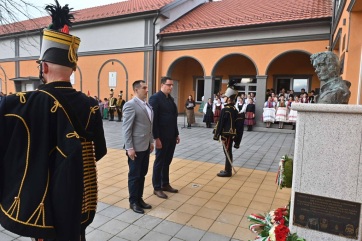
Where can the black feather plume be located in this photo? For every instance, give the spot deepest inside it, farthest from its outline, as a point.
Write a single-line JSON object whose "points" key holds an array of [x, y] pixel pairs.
{"points": [[232, 83], [60, 16]]}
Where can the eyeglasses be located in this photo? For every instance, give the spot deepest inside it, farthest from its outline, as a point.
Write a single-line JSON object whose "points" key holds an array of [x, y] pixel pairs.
{"points": [[169, 85]]}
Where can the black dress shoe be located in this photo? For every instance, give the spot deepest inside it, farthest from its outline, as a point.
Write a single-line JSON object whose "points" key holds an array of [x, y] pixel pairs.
{"points": [[168, 188], [144, 205], [136, 208], [224, 174], [160, 194]]}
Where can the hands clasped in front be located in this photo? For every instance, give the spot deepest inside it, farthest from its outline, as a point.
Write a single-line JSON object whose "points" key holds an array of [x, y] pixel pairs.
{"points": [[159, 143]]}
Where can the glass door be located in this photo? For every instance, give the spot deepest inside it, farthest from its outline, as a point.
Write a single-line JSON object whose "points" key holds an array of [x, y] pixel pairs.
{"points": [[283, 83]]}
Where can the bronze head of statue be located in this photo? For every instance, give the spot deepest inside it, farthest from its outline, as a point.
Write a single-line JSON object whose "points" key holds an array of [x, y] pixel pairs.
{"points": [[335, 90]]}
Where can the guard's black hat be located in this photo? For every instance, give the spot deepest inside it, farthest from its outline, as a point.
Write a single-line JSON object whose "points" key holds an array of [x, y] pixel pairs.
{"points": [[58, 46], [230, 91]]}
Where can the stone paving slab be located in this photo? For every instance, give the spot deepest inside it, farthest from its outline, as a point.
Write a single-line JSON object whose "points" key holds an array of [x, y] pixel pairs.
{"points": [[215, 209]]}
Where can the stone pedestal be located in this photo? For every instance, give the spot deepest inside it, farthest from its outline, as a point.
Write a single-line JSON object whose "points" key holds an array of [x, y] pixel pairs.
{"points": [[327, 159]]}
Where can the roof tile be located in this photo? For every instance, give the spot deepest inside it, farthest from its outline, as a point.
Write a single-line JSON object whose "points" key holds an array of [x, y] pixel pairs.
{"points": [[88, 14], [235, 13]]}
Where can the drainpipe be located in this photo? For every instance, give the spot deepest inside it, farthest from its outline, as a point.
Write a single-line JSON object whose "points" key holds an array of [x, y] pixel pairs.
{"points": [[331, 27], [155, 66], [154, 55]]}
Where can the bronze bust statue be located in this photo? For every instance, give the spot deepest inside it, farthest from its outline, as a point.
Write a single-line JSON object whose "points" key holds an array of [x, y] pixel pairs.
{"points": [[335, 90]]}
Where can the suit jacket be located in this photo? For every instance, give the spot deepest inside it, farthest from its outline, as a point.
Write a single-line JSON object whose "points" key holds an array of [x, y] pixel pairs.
{"points": [[137, 125], [165, 116]]}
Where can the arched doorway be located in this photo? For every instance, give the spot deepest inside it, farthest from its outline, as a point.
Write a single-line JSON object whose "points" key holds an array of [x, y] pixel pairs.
{"points": [[4, 80], [116, 77], [188, 75], [238, 67], [292, 70]]}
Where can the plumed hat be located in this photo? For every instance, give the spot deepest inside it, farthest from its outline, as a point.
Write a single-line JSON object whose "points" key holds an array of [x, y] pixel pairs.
{"points": [[230, 91], [58, 46]]}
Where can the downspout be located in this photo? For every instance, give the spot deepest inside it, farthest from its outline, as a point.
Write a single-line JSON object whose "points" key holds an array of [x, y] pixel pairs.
{"points": [[154, 51], [331, 27], [155, 66]]}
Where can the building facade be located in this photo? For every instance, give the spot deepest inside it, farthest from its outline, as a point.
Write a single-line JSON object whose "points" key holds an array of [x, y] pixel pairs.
{"points": [[201, 45]]}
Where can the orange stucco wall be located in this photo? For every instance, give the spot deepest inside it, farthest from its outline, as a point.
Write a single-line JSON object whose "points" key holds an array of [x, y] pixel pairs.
{"points": [[261, 55], [245, 60], [353, 57], [9, 69], [90, 67], [350, 46]]}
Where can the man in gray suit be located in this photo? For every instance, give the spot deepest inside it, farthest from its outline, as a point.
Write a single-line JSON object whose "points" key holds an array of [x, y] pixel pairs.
{"points": [[137, 130]]}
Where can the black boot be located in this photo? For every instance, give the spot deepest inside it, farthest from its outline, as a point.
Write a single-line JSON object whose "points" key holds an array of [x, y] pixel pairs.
{"points": [[224, 174]]}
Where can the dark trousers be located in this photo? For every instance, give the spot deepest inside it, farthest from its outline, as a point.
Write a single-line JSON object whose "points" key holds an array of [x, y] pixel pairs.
{"points": [[229, 150], [161, 166], [111, 113], [138, 169], [119, 112]]}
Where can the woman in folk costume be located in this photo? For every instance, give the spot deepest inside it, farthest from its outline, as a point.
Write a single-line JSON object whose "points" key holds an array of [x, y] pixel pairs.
{"points": [[105, 108], [292, 117], [269, 112], [274, 97], [281, 115], [216, 109], [208, 115], [304, 98], [54, 137], [225, 129], [250, 115], [190, 105], [240, 107]]}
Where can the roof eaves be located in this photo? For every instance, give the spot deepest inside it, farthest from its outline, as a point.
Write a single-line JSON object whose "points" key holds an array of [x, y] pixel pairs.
{"points": [[172, 5], [119, 18], [180, 17], [242, 27]]}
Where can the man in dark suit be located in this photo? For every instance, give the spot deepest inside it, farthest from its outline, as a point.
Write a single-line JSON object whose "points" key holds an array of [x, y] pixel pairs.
{"points": [[137, 130], [166, 136]]}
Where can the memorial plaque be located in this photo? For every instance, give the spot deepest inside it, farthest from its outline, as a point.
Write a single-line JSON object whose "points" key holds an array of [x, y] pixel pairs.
{"points": [[327, 215]]}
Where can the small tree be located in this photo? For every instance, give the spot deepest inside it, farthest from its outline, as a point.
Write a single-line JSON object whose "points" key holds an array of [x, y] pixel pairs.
{"points": [[14, 13]]}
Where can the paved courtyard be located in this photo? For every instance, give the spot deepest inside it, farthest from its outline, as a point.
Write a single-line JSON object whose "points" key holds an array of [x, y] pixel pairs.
{"points": [[207, 207]]}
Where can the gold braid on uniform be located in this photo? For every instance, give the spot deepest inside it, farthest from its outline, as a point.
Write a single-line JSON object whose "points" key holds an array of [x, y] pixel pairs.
{"points": [[55, 107], [90, 194], [22, 97], [92, 111]]}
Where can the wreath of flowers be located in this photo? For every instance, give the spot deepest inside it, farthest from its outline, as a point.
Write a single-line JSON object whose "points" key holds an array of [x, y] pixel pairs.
{"points": [[272, 226]]}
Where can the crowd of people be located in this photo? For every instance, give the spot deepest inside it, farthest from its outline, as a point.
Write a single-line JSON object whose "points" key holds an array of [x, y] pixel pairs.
{"points": [[278, 108], [109, 106], [245, 106]]}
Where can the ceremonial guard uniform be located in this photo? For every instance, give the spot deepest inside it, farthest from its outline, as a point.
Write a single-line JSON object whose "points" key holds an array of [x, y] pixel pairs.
{"points": [[54, 136], [225, 129], [112, 105], [119, 106]]}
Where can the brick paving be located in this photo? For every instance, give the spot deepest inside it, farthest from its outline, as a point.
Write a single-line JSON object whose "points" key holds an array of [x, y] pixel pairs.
{"points": [[207, 207]]}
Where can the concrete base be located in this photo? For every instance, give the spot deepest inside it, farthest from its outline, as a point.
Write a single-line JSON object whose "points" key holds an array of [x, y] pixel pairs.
{"points": [[327, 158]]}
